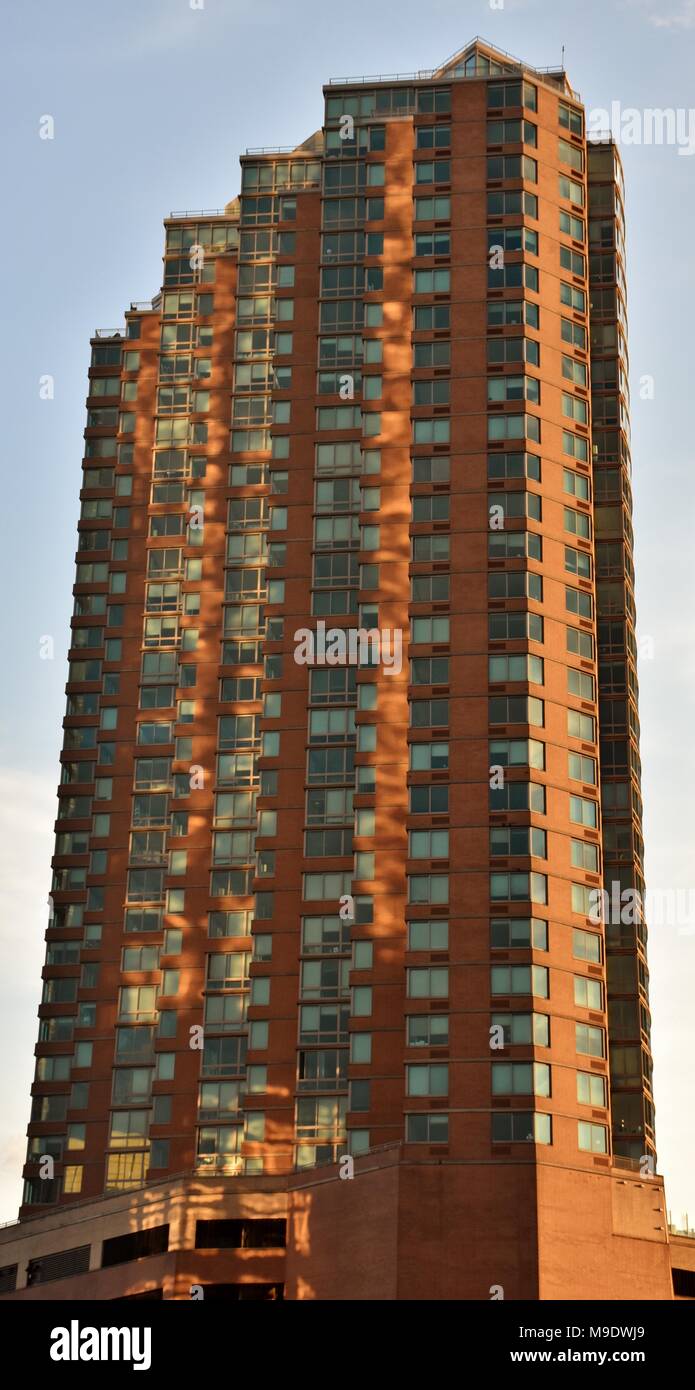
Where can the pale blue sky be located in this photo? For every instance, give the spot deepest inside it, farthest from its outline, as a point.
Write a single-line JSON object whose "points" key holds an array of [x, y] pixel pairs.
{"points": [[153, 102]]}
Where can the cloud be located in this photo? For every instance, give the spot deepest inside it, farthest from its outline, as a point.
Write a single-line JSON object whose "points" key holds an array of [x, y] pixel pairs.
{"points": [[682, 18], [27, 813], [12, 1153], [180, 27]]}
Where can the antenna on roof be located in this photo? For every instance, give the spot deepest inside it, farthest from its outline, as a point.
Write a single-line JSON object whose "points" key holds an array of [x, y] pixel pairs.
{"points": [[563, 57]]}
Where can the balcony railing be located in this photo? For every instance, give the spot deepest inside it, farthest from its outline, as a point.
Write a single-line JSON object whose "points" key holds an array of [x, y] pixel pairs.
{"points": [[682, 1230], [202, 212], [632, 1165], [275, 149]]}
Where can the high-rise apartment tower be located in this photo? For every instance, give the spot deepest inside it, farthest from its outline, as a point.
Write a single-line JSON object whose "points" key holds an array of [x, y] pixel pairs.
{"points": [[351, 739]]}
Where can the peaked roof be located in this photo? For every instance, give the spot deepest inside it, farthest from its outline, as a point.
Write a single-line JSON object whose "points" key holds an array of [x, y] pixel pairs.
{"points": [[482, 59], [312, 145], [476, 55]]}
